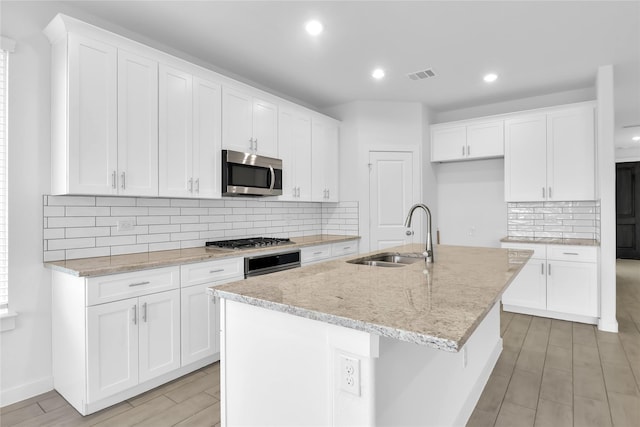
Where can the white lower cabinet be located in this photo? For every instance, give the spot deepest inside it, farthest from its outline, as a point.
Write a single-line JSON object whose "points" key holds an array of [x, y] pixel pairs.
{"points": [[200, 310], [200, 335], [313, 254], [116, 336], [558, 281], [132, 341]]}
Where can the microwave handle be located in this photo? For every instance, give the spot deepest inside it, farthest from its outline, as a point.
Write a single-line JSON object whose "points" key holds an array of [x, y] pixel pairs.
{"points": [[273, 178]]}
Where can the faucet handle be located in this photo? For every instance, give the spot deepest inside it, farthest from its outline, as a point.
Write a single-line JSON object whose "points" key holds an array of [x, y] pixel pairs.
{"points": [[409, 232]]}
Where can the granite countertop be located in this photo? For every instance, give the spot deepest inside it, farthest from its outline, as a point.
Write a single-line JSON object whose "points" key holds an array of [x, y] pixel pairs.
{"points": [[439, 305], [551, 241], [100, 266]]}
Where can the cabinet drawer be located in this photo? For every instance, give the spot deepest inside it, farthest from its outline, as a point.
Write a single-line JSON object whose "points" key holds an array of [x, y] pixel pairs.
{"points": [[315, 253], [539, 250], [572, 253], [212, 271], [120, 286], [344, 248]]}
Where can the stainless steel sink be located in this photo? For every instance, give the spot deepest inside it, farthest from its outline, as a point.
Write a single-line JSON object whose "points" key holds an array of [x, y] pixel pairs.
{"points": [[389, 259]]}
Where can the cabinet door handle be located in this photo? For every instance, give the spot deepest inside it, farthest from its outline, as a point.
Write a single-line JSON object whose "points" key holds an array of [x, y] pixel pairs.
{"points": [[549, 270], [543, 193], [550, 196], [198, 185], [294, 191], [144, 312], [570, 253], [113, 179], [122, 175], [298, 192], [190, 185], [317, 253], [219, 270], [328, 193], [468, 150], [139, 284], [135, 314], [542, 268]]}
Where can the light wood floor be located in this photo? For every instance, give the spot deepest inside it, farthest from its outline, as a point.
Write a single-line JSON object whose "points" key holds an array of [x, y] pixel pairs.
{"points": [[550, 373]]}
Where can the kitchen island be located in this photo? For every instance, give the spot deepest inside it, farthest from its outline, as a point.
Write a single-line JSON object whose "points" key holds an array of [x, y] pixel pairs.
{"points": [[346, 344]]}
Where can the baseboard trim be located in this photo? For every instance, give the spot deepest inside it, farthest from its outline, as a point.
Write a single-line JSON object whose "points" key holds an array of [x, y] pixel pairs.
{"points": [[25, 391], [550, 314], [608, 325]]}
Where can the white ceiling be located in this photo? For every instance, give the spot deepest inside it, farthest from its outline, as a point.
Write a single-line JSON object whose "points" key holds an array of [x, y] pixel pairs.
{"points": [[536, 47]]}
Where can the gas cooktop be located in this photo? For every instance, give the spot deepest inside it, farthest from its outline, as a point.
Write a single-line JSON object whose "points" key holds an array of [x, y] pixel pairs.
{"points": [[253, 242]]}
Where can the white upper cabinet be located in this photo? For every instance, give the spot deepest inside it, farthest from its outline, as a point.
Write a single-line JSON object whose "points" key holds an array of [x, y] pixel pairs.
{"points": [[88, 153], [571, 154], [479, 139], [550, 156], [525, 158], [104, 119], [207, 134], [190, 127], [249, 124], [294, 143], [176, 129], [137, 125], [324, 152], [131, 120]]}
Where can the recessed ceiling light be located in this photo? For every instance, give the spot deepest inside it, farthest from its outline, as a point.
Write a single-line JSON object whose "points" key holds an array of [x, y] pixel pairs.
{"points": [[314, 27], [636, 138], [490, 78], [378, 73]]}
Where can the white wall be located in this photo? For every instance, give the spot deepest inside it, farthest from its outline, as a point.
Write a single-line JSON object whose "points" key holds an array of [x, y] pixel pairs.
{"points": [[380, 125], [628, 154], [606, 184], [540, 101], [471, 204], [26, 351]]}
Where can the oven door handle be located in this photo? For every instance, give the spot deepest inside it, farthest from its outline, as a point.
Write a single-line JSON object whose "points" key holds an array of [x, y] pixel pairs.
{"points": [[273, 178]]}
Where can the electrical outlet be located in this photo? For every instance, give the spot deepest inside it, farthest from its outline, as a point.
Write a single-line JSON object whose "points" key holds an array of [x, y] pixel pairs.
{"points": [[350, 375], [125, 225]]}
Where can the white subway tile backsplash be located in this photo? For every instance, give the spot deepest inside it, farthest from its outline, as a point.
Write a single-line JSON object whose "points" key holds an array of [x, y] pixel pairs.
{"points": [[79, 227], [56, 233], [87, 253], [71, 201], [164, 211], [54, 211], [554, 219], [185, 203], [74, 221], [84, 232], [115, 201], [87, 211], [55, 244], [173, 228], [129, 211], [164, 246], [153, 220], [115, 240], [143, 201], [112, 221], [129, 249]]}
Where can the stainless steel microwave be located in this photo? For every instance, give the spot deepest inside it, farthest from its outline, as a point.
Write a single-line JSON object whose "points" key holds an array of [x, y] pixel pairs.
{"points": [[245, 174]]}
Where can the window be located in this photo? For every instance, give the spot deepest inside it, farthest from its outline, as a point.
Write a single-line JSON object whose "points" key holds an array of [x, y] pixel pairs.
{"points": [[5, 48]]}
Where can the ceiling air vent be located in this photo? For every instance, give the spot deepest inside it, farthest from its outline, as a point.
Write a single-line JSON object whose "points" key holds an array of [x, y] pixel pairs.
{"points": [[422, 74]]}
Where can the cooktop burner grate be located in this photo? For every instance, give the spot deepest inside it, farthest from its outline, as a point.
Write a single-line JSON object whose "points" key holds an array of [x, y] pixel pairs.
{"points": [[253, 242]]}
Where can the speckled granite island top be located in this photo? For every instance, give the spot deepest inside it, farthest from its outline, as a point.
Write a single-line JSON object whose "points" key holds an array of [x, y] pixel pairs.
{"points": [[100, 266], [439, 305], [551, 241]]}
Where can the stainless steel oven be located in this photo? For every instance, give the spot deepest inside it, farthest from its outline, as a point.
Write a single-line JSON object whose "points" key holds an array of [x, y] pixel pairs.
{"points": [[265, 264], [245, 174]]}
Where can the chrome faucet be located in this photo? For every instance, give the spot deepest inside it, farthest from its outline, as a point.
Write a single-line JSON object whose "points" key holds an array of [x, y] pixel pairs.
{"points": [[407, 223]]}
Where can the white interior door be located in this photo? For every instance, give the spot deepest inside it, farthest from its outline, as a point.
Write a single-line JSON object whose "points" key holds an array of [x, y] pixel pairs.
{"points": [[391, 187]]}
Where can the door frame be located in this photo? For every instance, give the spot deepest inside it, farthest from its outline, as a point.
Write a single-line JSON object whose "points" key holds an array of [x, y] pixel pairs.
{"points": [[416, 155]]}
